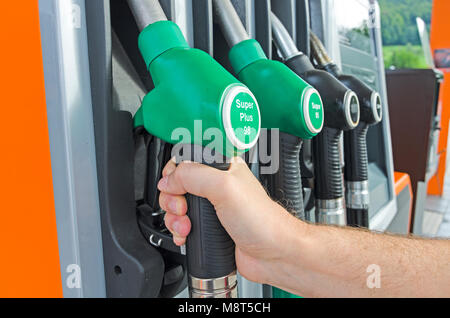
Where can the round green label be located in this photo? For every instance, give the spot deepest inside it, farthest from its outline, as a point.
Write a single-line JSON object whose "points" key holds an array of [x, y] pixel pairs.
{"points": [[315, 112], [245, 118]]}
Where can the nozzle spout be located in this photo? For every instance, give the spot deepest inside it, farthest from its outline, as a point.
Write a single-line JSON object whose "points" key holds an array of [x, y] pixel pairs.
{"points": [[318, 50], [147, 12], [228, 19], [283, 39]]}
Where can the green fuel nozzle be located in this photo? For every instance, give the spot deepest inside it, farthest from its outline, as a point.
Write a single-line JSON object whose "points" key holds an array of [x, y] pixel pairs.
{"points": [[355, 143], [196, 98]]}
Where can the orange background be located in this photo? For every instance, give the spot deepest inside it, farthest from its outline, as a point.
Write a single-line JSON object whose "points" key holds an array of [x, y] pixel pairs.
{"points": [[29, 260], [440, 39]]}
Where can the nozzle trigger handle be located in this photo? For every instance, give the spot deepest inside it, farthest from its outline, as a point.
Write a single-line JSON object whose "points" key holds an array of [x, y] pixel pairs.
{"points": [[286, 184], [327, 165], [209, 248]]}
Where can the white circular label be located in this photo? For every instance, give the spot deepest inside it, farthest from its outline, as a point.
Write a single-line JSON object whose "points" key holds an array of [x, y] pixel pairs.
{"points": [[241, 117]]}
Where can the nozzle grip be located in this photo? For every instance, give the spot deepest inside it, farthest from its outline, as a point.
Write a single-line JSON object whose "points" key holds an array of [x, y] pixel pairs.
{"points": [[209, 248], [285, 186], [356, 157], [327, 165]]}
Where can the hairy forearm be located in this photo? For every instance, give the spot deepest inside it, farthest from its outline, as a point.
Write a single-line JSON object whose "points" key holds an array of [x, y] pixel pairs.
{"points": [[342, 262]]}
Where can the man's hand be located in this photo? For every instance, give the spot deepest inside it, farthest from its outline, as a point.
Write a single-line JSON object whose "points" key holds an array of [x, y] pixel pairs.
{"points": [[255, 223]]}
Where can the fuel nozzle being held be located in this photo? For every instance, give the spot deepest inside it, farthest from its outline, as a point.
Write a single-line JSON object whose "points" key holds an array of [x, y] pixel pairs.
{"points": [[355, 145], [192, 92], [342, 113]]}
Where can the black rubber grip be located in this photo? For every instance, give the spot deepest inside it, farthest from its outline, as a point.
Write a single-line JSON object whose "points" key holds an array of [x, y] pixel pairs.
{"points": [[209, 248], [285, 186], [327, 165], [358, 218], [356, 158]]}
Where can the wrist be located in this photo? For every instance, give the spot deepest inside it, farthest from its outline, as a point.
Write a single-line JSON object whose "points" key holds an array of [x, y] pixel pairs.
{"points": [[292, 239], [297, 241]]}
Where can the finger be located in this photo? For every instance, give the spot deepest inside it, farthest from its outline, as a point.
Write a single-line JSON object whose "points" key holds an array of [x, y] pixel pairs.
{"points": [[169, 168], [179, 226], [179, 241], [173, 204], [193, 178]]}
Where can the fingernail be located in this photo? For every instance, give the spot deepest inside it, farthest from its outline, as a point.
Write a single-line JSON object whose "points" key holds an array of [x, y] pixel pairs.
{"points": [[162, 185]]}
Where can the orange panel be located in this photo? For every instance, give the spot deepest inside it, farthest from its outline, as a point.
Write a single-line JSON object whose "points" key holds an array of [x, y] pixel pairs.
{"points": [[403, 180], [440, 25], [29, 260], [440, 28]]}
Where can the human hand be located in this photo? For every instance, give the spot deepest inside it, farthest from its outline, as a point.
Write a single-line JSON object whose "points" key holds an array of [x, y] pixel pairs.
{"points": [[257, 225]]}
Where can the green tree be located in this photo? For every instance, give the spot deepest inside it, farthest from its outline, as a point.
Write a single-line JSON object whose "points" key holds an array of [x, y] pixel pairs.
{"points": [[398, 20], [407, 56]]}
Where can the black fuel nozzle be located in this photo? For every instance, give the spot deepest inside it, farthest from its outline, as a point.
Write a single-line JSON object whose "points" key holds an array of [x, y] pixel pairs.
{"points": [[342, 113], [355, 143]]}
